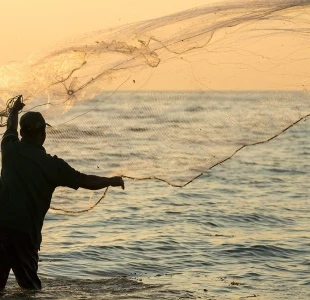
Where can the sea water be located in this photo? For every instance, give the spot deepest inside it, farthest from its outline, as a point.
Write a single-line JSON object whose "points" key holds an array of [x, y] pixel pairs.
{"points": [[240, 231]]}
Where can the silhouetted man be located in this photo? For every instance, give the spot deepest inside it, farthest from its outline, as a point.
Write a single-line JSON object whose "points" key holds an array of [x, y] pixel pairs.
{"points": [[29, 177]]}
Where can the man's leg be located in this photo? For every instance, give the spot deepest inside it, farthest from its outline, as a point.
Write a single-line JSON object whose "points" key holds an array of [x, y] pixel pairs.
{"points": [[25, 262], [4, 259]]}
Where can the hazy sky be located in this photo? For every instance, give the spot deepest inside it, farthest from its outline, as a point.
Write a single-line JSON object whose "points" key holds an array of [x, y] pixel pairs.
{"points": [[31, 26], [275, 61]]}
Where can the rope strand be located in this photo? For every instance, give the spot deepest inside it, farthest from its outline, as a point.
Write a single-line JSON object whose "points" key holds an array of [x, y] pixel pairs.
{"points": [[83, 210]]}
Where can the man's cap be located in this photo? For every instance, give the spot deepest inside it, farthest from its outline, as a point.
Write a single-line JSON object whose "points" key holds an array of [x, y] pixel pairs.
{"points": [[32, 120]]}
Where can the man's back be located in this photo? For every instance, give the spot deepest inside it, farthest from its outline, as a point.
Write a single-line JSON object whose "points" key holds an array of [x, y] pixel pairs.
{"points": [[29, 177]]}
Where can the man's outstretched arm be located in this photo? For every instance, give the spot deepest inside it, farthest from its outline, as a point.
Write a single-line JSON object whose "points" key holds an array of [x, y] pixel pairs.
{"points": [[12, 122], [93, 182]]}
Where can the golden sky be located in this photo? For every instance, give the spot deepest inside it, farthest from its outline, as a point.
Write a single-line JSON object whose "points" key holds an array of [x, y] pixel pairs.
{"points": [[275, 61], [28, 27]]}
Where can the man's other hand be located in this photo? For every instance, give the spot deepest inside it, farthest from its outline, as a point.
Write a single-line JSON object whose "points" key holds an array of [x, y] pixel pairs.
{"points": [[117, 181]]}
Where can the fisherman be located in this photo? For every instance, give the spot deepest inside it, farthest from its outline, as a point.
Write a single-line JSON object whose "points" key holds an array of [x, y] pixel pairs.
{"points": [[29, 177]]}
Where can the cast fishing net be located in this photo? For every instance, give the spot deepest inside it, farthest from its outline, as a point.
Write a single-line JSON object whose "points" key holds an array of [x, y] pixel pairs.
{"points": [[172, 97]]}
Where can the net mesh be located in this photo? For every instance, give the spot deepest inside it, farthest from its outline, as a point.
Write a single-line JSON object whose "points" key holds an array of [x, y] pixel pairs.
{"points": [[172, 97]]}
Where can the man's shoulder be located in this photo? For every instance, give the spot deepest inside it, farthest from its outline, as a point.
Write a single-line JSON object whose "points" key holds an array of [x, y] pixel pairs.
{"points": [[57, 161], [54, 158], [66, 175]]}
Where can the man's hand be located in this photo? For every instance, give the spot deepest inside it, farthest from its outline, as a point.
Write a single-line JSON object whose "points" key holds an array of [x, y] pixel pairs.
{"points": [[117, 181], [93, 182], [18, 105], [12, 122]]}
